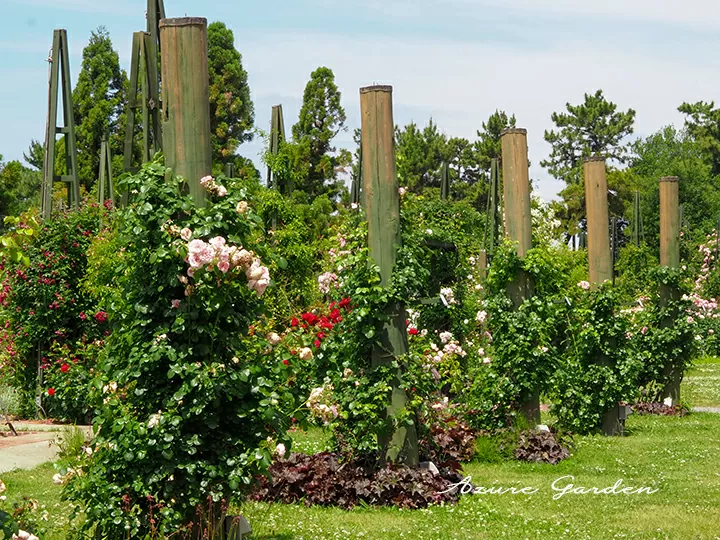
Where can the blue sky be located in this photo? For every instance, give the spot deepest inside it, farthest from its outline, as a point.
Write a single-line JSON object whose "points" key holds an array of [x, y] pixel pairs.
{"points": [[453, 60]]}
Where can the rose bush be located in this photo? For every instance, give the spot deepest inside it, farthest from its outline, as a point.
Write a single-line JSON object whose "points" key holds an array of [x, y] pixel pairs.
{"points": [[190, 401]]}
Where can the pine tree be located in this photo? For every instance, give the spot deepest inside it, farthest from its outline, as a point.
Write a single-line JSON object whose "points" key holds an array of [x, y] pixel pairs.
{"points": [[595, 127], [99, 100], [322, 117], [232, 113]]}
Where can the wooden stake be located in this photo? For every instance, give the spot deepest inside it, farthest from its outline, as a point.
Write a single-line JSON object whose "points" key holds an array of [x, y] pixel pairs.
{"points": [[598, 233], [670, 223], [186, 101], [518, 227], [382, 207]]}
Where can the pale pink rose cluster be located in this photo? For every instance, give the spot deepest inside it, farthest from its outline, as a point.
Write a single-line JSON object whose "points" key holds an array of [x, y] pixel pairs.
{"points": [[317, 402], [436, 355], [585, 285], [212, 187], [217, 252], [326, 280]]}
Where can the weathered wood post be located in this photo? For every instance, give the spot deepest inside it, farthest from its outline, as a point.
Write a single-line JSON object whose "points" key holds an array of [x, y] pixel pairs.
{"points": [[518, 227], [670, 257], [382, 207], [186, 101], [598, 232], [598, 246]]}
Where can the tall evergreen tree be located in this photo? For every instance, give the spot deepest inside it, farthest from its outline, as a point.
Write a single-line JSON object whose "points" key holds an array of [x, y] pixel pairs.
{"points": [[420, 154], [593, 127], [232, 113], [322, 117], [99, 100], [488, 144], [703, 124]]}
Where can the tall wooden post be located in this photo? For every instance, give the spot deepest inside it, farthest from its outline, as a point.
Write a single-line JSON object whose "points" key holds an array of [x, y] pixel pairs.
{"points": [[382, 207], [670, 257], [186, 101], [518, 227], [599, 257], [598, 232]]}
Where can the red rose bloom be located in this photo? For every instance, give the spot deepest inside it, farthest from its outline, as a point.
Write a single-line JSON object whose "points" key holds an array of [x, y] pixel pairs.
{"points": [[413, 331], [64, 368], [293, 352], [101, 316], [345, 302], [286, 362], [321, 335], [317, 343], [294, 321], [51, 391]]}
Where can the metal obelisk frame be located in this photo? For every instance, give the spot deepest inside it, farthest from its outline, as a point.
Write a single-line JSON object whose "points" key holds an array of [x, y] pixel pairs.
{"points": [[357, 179], [105, 176], [145, 79], [186, 101], [638, 234], [670, 223], [59, 79], [445, 181], [518, 227], [277, 136], [382, 206]]}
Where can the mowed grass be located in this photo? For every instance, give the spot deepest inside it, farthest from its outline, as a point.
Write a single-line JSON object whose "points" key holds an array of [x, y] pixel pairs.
{"points": [[678, 457], [701, 384]]}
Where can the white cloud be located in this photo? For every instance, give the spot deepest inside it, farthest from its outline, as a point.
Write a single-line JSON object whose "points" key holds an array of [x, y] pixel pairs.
{"points": [[86, 6], [461, 84]]}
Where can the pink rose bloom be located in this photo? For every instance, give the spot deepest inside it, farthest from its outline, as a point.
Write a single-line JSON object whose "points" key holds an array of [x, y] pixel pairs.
{"points": [[584, 285], [221, 191], [205, 180], [191, 273], [280, 450], [644, 330], [175, 304], [223, 266], [218, 242], [690, 320], [273, 338], [186, 234]]}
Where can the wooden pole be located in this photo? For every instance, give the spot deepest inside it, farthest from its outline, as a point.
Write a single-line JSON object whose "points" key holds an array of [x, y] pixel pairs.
{"points": [[598, 233], [670, 257], [382, 207], [445, 181], [599, 257], [518, 227], [669, 222], [186, 101]]}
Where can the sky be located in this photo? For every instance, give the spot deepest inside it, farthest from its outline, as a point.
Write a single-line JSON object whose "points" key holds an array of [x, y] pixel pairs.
{"points": [[456, 61]]}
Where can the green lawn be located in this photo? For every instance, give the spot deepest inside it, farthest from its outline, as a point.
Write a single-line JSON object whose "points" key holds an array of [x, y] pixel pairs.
{"points": [[679, 457], [701, 384]]}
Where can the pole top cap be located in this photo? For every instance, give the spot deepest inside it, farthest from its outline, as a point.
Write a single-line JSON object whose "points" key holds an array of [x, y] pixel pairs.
{"points": [[592, 159], [668, 178], [183, 21], [513, 131], [376, 88]]}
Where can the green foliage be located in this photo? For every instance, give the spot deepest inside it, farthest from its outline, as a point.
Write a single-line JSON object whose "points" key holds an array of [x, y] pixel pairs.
{"points": [[664, 328], [232, 113], [99, 100], [420, 153], [188, 399], [47, 309], [488, 144], [599, 367], [322, 117], [702, 121], [634, 267], [594, 127], [19, 189]]}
